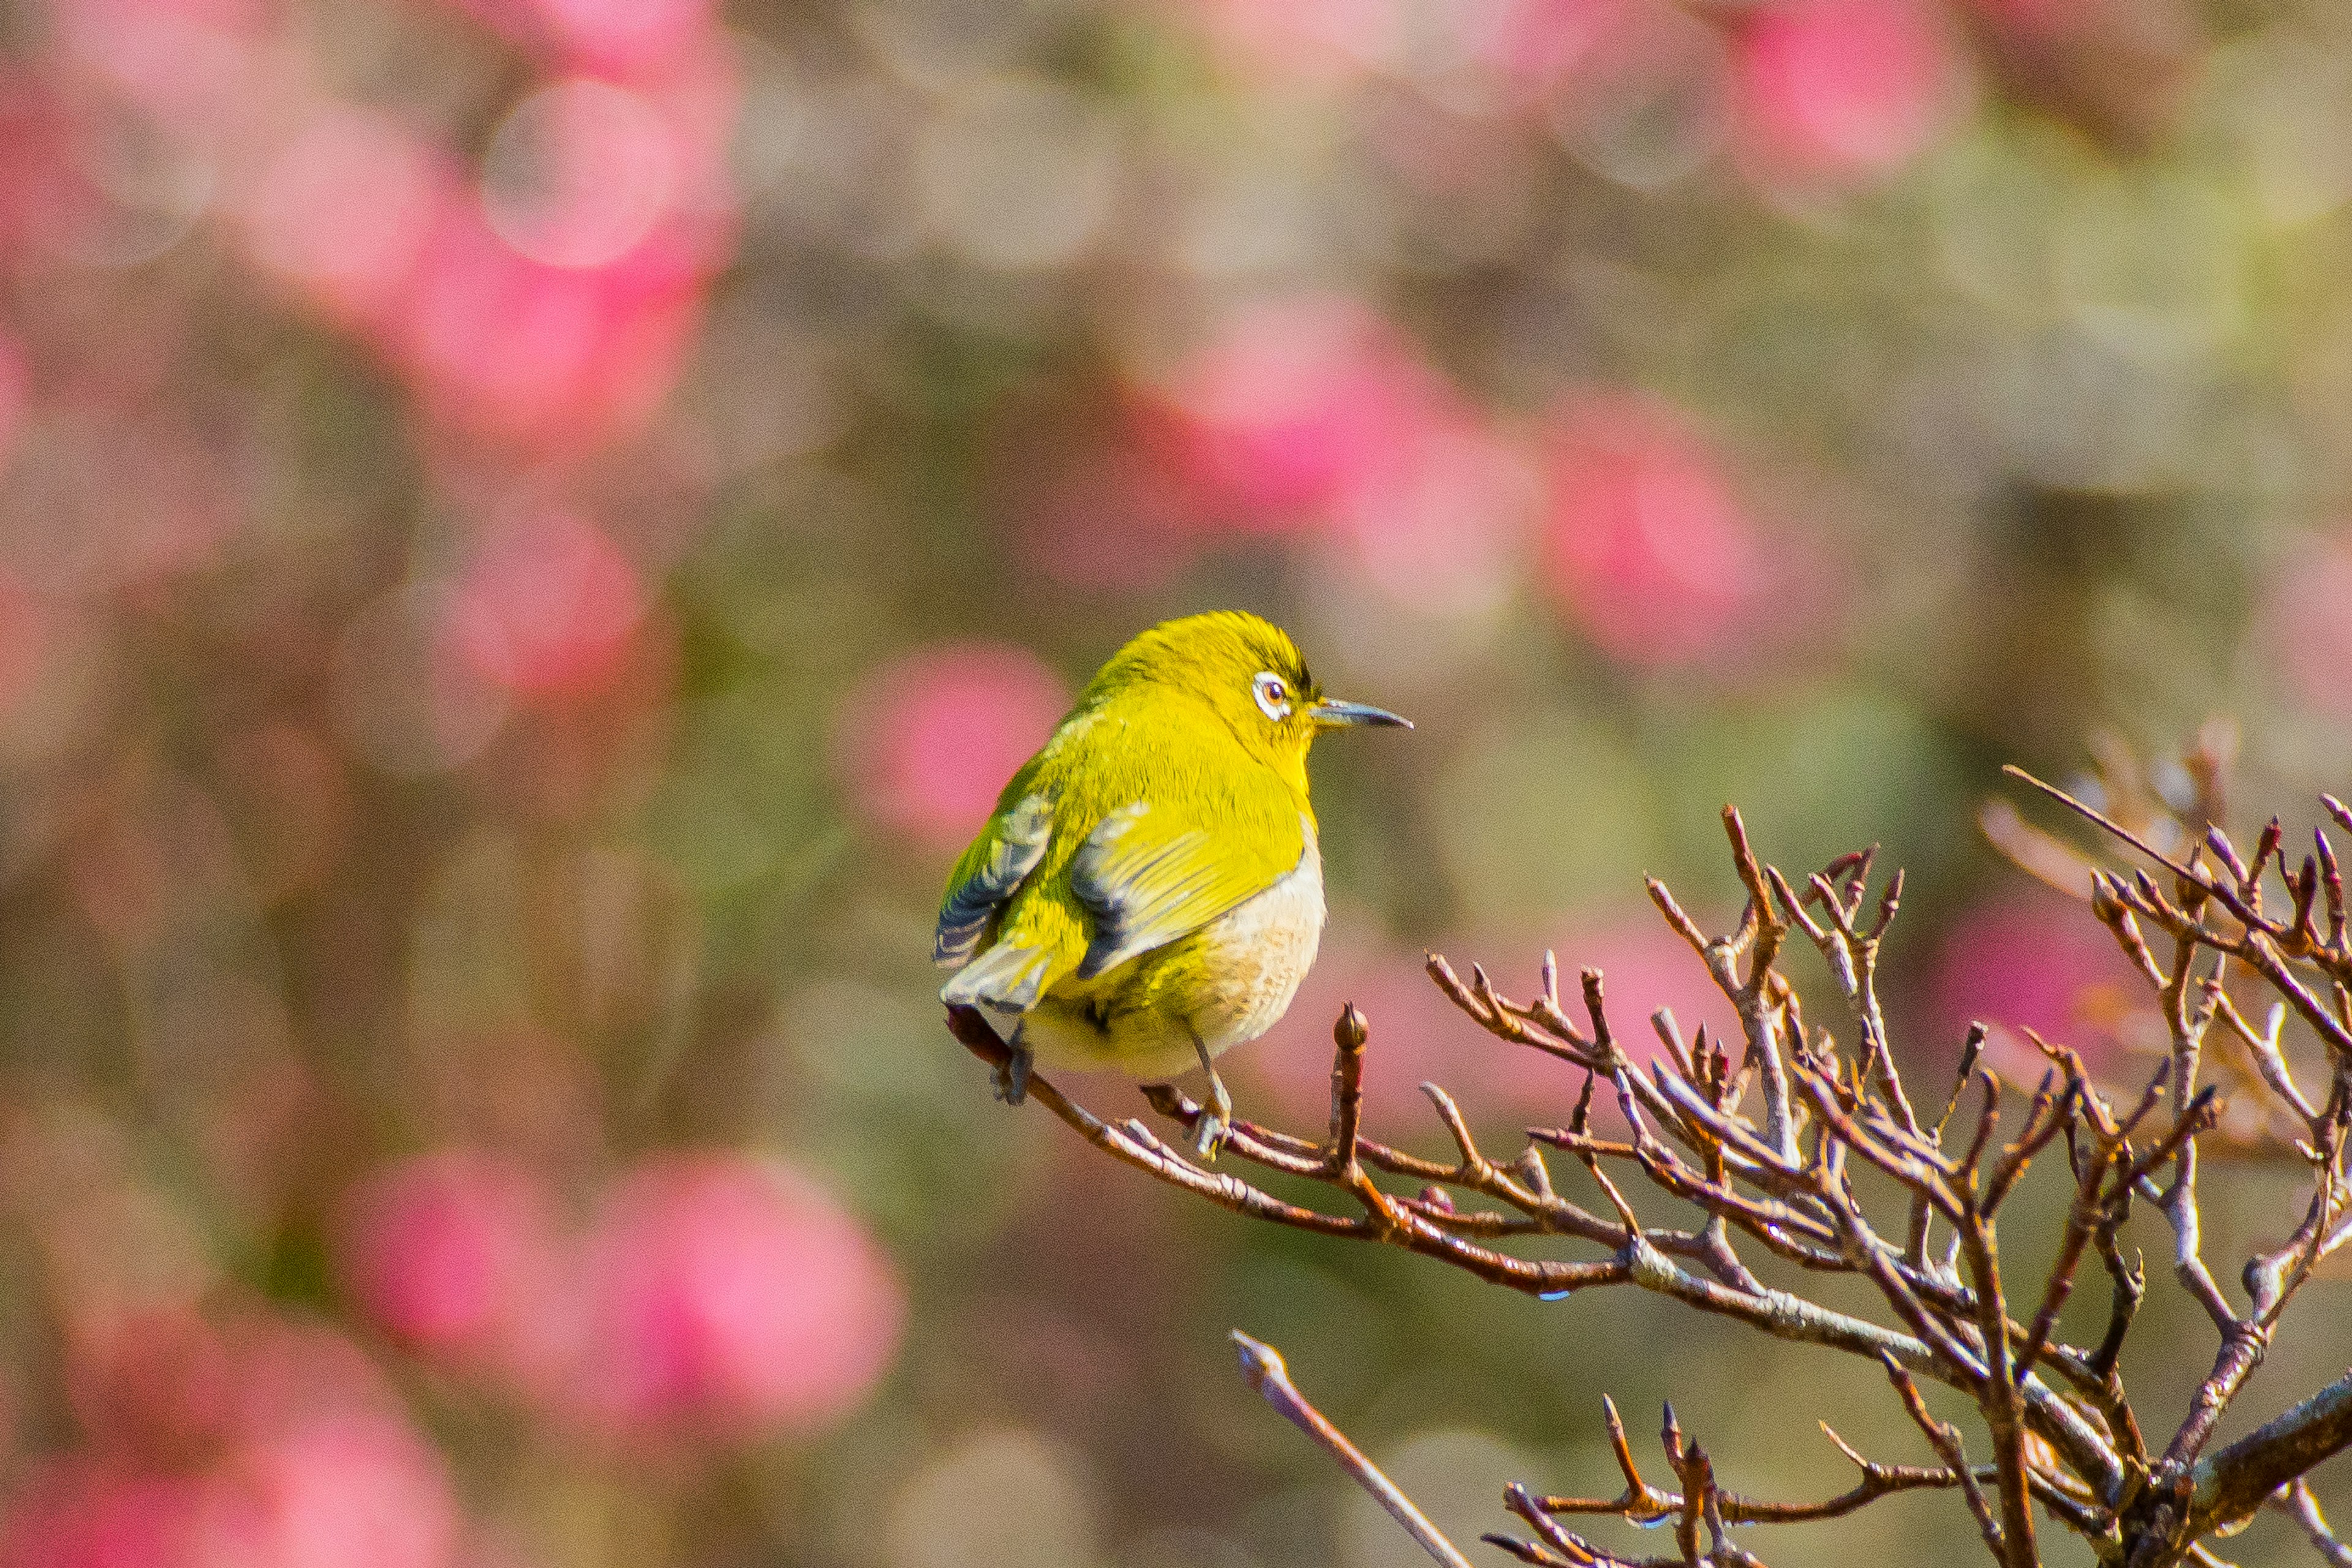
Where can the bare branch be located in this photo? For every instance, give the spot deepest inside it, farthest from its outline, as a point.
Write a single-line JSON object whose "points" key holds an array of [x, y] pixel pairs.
{"points": [[1805, 1173], [1263, 1368], [2298, 1503]]}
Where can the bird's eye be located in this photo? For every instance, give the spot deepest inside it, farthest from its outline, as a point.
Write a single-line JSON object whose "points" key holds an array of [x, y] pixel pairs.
{"points": [[1273, 696]]}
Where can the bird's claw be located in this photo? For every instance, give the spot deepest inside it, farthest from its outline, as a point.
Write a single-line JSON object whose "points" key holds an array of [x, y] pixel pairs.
{"points": [[1011, 1077], [1215, 1123], [1209, 1134]]}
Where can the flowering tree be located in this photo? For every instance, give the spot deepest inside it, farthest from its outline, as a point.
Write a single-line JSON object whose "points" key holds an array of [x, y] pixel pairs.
{"points": [[1786, 1145]]}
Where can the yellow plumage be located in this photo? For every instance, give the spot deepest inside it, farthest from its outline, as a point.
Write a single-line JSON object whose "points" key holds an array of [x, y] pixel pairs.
{"points": [[1150, 890]]}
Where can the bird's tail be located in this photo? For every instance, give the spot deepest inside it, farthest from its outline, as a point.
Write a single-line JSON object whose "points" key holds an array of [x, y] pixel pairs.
{"points": [[1007, 978]]}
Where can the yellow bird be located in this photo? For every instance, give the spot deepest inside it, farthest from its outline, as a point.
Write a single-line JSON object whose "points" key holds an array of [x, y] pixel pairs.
{"points": [[1150, 890]]}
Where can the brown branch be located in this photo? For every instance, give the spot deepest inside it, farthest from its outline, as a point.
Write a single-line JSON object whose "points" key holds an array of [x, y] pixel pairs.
{"points": [[1945, 1440], [1797, 1174], [1262, 1368], [1642, 1504]]}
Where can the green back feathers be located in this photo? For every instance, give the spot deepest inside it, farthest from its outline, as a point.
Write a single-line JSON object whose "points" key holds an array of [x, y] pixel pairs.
{"points": [[1168, 797]]}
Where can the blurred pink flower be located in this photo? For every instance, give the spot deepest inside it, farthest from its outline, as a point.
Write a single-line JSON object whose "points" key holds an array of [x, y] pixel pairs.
{"points": [[40, 188], [158, 1384], [924, 744], [80, 1512], [565, 358], [450, 1252], [547, 605], [1448, 532], [1842, 90], [728, 1298], [2035, 960], [2304, 632], [1296, 410], [194, 64], [579, 173], [252, 1442], [24, 641], [1651, 550], [15, 385], [1544, 47], [614, 38], [340, 213], [552, 308], [341, 1490], [1316, 42], [1103, 516]]}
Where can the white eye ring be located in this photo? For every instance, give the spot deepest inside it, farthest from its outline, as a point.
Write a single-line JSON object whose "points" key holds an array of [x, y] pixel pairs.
{"points": [[1273, 696]]}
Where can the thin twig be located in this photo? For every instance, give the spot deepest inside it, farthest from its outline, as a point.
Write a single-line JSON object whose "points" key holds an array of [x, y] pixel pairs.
{"points": [[1263, 1368]]}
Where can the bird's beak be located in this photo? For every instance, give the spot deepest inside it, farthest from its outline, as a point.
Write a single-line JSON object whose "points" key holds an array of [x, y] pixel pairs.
{"points": [[1341, 715]]}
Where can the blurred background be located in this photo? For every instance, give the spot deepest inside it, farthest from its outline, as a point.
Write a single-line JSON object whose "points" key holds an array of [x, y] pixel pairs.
{"points": [[531, 532]]}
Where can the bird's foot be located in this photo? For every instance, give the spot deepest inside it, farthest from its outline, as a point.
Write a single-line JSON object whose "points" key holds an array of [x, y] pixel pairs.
{"points": [[1012, 1079], [1209, 1134], [1216, 1119]]}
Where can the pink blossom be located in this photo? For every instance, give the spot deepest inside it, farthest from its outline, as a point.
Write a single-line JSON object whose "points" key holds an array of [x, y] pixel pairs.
{"points": [[249, 1442], [450, 1252], [44, 196], [16, 386], [340, 212], [730, 1298], [548, 605], [517, 351], [192, 63], [1296, 410], [613, 37], [1651, 551], [1842, 90], [554, 312], [78, 1510], [342, 1490], [1103, 516], [1546, 46], [25, 634], [925, 744], [1448, 532], [2035, 960], [158, 1383], [1316, 42], [579, 173]]}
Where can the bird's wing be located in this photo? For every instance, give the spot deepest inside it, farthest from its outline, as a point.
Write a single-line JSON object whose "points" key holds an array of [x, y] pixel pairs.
{"points": [[984, 880], [1155, 871]]}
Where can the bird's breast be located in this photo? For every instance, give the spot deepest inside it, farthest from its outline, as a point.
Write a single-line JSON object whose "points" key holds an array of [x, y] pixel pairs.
{"points": [[1259, 951]]}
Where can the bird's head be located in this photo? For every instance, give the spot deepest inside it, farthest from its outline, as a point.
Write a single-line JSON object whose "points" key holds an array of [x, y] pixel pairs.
{"points": [[1251, 673]]}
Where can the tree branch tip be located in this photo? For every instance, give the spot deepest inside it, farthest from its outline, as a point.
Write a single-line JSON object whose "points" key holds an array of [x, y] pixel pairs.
{"points": [[1865, 1466], [1261, 1362]]}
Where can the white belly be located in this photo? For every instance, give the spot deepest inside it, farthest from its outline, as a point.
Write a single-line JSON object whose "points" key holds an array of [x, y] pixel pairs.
{"points": [[1265, 948]]}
